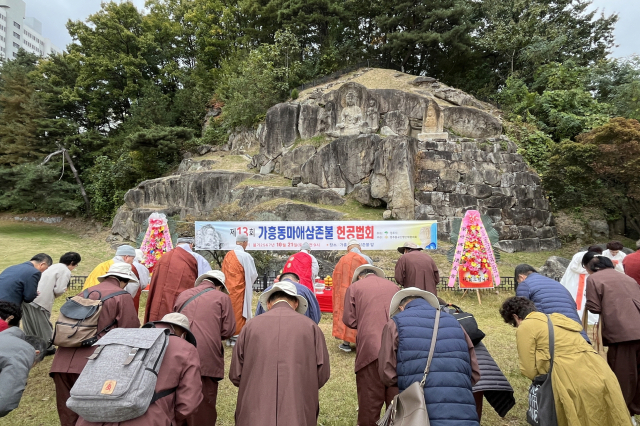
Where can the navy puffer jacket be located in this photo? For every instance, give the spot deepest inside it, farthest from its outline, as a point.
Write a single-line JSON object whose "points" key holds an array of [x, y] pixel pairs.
{"points": [[447, 391], [550, 297]]}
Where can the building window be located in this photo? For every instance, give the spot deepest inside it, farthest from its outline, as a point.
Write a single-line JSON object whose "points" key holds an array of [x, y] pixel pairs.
{"points": [[15, 24], [16, 35], [16, 45]]}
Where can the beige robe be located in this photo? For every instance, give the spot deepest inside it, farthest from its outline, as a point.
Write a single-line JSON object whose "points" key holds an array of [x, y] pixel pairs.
{"points": [[279, 363]]}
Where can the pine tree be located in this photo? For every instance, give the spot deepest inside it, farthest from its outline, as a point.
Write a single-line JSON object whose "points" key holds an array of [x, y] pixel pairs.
{"points": [[426, 36], [20, 112]]}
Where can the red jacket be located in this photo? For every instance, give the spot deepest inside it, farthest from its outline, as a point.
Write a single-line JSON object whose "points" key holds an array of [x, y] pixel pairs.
{"points": [[300, 264]]}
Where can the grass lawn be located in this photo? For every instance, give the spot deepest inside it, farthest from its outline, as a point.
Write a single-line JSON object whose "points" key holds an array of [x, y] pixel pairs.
{"points": [[338, 401]]}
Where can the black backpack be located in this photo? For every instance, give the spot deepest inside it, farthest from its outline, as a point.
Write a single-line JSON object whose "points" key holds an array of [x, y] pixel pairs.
{"points": [[467, 321]]}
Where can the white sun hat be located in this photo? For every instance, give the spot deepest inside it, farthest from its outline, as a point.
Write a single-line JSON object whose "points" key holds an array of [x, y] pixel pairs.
{"points": [[379, 272], [288, 288], [212, 275], [412, 291], [120, 269]]}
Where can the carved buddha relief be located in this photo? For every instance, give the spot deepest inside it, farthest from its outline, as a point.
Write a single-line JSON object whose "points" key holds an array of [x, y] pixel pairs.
{"points": [[351, 116]]}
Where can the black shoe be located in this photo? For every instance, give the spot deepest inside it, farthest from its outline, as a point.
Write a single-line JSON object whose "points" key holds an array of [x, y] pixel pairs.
{"points": [[345, 347], [50, 351]]}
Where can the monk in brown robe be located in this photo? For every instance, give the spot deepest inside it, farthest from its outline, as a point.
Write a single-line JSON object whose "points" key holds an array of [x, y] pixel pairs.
{"points": [[117, 311], [180, 370], [208, 308], [240, 272], [279, 363], [342, 275], [366, 308], [416, 269], [175, 272]]}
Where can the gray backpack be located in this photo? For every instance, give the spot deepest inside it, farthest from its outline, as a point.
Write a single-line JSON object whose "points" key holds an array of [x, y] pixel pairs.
{"points": [[119, 380]]}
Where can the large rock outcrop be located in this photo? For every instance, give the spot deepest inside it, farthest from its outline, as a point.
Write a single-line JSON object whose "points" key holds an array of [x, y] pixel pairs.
{"points": [[387, 163], [198, 193], [353, 109], [414, 146]]}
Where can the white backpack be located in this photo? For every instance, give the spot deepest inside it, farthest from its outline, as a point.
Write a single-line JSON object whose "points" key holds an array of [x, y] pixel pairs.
{"points": [[118, 383]]}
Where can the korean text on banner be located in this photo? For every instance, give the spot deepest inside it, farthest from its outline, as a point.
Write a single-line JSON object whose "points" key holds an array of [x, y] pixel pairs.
{"points": [[321, 235]]}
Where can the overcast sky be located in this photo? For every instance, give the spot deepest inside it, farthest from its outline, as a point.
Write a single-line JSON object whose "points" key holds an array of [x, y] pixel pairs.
{"points": [[55, 13]]}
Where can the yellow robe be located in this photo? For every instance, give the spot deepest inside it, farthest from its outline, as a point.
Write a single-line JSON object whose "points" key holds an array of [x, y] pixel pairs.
{"points": [[99, 270], [585, 389]]}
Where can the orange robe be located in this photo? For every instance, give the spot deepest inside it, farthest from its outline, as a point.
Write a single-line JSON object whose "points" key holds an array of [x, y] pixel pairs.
{"points": [[175, 272], [342, 275], [235, 283]]}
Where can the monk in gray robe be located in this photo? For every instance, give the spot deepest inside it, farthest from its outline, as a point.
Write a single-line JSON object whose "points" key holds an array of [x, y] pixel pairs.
{"points": [[279, 363]]}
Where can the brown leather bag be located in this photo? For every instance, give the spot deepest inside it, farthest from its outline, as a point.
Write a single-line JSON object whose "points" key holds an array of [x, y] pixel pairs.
{"points": [[77, 324], [409, 408]]}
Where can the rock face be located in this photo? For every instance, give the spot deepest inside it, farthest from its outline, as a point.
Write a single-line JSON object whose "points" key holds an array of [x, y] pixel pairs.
{"points": [[197, 194], [453, 177], [429, 152], [300, 212], [250, 196], [353, 109], [280, 130], [472, 122], [554, 267], [387, 162]]}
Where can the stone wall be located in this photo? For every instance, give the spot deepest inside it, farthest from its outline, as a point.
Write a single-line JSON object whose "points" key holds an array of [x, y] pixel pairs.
{"points": [[455, 176]]}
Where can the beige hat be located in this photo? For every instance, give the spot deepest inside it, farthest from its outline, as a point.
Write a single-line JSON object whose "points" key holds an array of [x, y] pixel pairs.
{"points": [[212, 275], [409, 245], [176, 318], [412, 291], [379, 272], [121, 270], [288, 288], [353, 243]]}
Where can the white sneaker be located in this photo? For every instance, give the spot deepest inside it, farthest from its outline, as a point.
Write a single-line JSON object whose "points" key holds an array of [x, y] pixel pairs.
{"points": [[633, 421]]}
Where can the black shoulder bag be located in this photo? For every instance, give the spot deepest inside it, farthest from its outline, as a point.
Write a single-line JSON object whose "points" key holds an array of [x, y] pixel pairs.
{"points": [[542, 405]]}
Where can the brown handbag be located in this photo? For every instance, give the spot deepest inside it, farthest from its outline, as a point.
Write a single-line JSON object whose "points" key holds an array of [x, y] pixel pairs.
{"points": [[408, 408]]}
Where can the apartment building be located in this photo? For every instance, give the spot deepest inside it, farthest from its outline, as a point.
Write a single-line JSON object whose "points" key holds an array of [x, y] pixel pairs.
{"points": [[19, 32]]}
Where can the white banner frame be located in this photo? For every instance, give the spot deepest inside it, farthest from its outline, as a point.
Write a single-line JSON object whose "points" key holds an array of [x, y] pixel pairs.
{"points": [[321, 235]]}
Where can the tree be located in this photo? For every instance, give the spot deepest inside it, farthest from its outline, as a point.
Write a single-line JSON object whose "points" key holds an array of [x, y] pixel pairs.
{"points": [[115, 56], [617, 82], [155, 150], [558, 101], [317, 24], [601, 168], [29, 187], [430, 37], [20, 111], [518, 36], [252, 84]]}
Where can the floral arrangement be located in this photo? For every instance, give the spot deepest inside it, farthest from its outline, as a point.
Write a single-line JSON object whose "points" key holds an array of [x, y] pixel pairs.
{"points": [[157, 240], [474, 263]]}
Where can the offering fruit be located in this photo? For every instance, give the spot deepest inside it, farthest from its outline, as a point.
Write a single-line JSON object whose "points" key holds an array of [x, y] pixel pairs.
{"points": [[328, 281]]}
